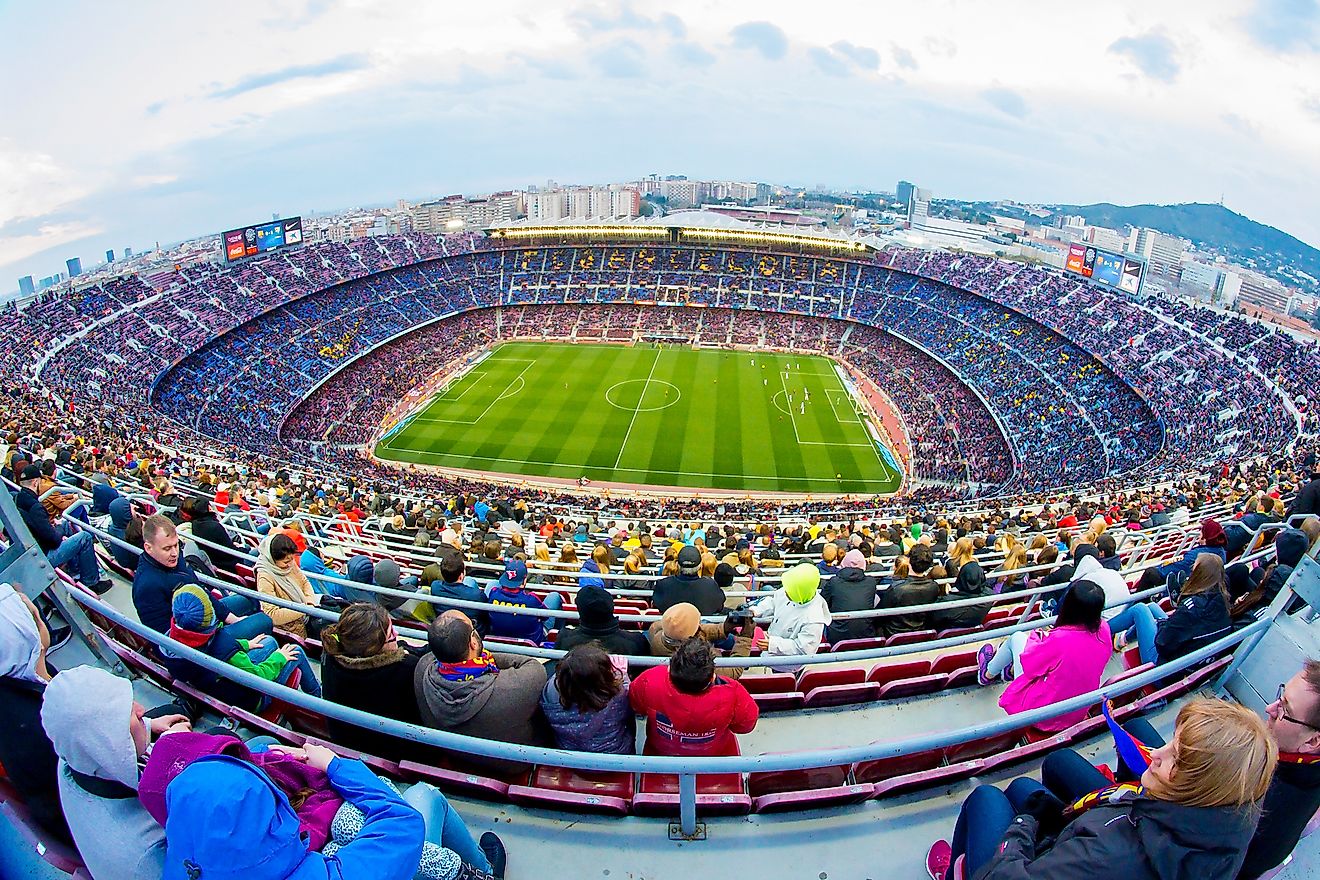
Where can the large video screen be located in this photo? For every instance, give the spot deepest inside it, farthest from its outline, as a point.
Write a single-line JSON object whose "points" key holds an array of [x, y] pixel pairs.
{"points": [[1105, 267], [262, 238]]}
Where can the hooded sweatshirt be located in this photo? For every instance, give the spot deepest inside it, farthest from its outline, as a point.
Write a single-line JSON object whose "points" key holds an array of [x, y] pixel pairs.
{"points": [[1138, 838], [102, 495], [361, 570], [1289, 548], [229, 821], [598, 624], [970, 583], [502, 705], [799, 615], [1090, 568], [86, 714], [288, 584]]}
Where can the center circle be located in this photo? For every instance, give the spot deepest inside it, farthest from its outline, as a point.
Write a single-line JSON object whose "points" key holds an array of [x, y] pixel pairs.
{"points": [[631, 394]]}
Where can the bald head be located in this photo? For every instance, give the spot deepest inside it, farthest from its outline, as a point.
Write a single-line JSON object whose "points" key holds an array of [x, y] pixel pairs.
{"points": [[452, 638]]}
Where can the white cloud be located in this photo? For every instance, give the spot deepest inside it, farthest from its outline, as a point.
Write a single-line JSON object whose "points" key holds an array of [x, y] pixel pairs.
{"points": [[127, 133]]}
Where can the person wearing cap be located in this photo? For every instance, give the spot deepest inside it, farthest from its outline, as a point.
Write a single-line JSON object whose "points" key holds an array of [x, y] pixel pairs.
{"points": [[510, 591], [688, 586], [852, 589], [798, 615], [598, 623], [74, 551], [683, 621]]}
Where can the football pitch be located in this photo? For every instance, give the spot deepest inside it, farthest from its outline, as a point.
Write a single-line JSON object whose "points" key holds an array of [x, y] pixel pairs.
{"points": [[650, 415]]}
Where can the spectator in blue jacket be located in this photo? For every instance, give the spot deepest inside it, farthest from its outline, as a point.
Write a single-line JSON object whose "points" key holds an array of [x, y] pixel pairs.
{"points": [[1213, 541], [161, 570], [228, 819], [74, 550], [511, 590]]}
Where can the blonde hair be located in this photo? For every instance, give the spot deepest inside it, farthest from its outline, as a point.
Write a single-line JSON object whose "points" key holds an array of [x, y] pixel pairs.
{"points": [[963, 552], [1224, 756], [602, 556], [709, 562]]}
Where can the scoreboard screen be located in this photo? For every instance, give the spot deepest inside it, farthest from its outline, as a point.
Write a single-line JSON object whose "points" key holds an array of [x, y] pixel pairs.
{"points": [[249, 241], [1105, 267]]}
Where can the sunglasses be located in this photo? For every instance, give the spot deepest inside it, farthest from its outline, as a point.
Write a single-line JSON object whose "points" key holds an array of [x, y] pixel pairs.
{"points": [[1283, 711]]}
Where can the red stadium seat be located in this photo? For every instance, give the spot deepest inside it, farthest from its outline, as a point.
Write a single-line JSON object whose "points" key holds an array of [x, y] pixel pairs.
{"points": [[884, 673], [912, 687]]}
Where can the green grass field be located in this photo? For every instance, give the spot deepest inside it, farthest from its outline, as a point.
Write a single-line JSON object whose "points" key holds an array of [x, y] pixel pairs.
{"points": [[657, 416]]}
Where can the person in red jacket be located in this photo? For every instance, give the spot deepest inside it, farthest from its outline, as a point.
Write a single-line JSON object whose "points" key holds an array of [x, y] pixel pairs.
{"points": [[690, 711]]}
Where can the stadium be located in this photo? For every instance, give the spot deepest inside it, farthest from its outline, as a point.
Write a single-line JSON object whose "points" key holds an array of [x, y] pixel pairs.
{"points": [[902, 473]]}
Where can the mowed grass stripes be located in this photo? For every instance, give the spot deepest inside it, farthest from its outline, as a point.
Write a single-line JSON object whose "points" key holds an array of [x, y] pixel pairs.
{"points": [[656, 416]]}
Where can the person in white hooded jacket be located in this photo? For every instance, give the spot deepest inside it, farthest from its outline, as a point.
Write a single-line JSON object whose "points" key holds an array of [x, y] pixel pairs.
{"points": [[102, 737], [798, 615], [1089, 568]]}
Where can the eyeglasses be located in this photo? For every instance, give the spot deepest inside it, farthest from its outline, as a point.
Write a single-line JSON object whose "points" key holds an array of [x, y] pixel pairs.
{"points": [[1283, 711]]}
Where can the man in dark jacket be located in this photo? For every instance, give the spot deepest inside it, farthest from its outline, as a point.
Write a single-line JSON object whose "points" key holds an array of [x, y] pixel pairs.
{"points": [[852, 589], [463, 688], [121, 515], [77, 551], [686, 586], [597, 623], [206, 526], [161, 570], [917, 589], [1307, 499], [454, 583]]}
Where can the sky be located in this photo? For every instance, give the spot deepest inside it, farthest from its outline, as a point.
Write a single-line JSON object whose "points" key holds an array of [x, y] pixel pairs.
{"points": [[130, 123]]}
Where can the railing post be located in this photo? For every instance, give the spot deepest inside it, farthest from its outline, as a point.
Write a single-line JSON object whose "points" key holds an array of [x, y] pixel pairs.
{"points": [[687, 804]]}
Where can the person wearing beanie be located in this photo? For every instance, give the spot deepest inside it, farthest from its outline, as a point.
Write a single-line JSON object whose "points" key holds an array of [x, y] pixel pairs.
{"points": [[689, 586], [852, 589], [227, 818], [683, 621], [194, 623], [387, 575], [102, 737], [1213, 541], [597, 623], [798, 615]]}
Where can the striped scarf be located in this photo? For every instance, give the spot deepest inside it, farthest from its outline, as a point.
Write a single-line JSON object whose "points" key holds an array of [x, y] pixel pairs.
{"points": [[467, 670]]}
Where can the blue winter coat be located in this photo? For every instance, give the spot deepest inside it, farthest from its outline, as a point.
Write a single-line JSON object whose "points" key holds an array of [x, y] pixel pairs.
{"points": [[361, 570], [1184, 566], [102, 495], [121, 514], [228, 821], [153, 590], [610, 731]]}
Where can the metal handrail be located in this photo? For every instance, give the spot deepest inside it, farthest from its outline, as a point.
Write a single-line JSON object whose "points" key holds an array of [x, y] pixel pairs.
{"points": [[663, 764]]}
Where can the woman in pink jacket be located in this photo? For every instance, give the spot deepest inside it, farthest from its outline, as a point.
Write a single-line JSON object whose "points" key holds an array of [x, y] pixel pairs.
{"points": [[1053, 663]]}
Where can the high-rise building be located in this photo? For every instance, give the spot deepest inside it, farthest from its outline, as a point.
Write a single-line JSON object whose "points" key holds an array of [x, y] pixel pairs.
{"points": [[904, 193], [456, 212], [1264, 292], [918, 205], [1163, 252], [110, 255], [25, 286], [1224, 286], [74, 265], [547, 206], [1106, 239]]}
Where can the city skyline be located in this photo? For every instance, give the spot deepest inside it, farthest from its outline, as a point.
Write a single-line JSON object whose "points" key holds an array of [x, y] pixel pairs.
{"points": [[170, 124]]}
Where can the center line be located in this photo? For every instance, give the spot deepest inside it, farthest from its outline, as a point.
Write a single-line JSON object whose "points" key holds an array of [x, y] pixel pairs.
{"points": [[637, 409]]}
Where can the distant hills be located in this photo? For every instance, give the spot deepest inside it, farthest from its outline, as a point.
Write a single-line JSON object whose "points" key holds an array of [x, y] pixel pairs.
{"points": [[1214, 227]]}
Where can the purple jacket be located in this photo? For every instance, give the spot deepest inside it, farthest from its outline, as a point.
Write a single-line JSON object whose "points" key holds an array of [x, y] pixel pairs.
{"points": [[173, 752]]}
